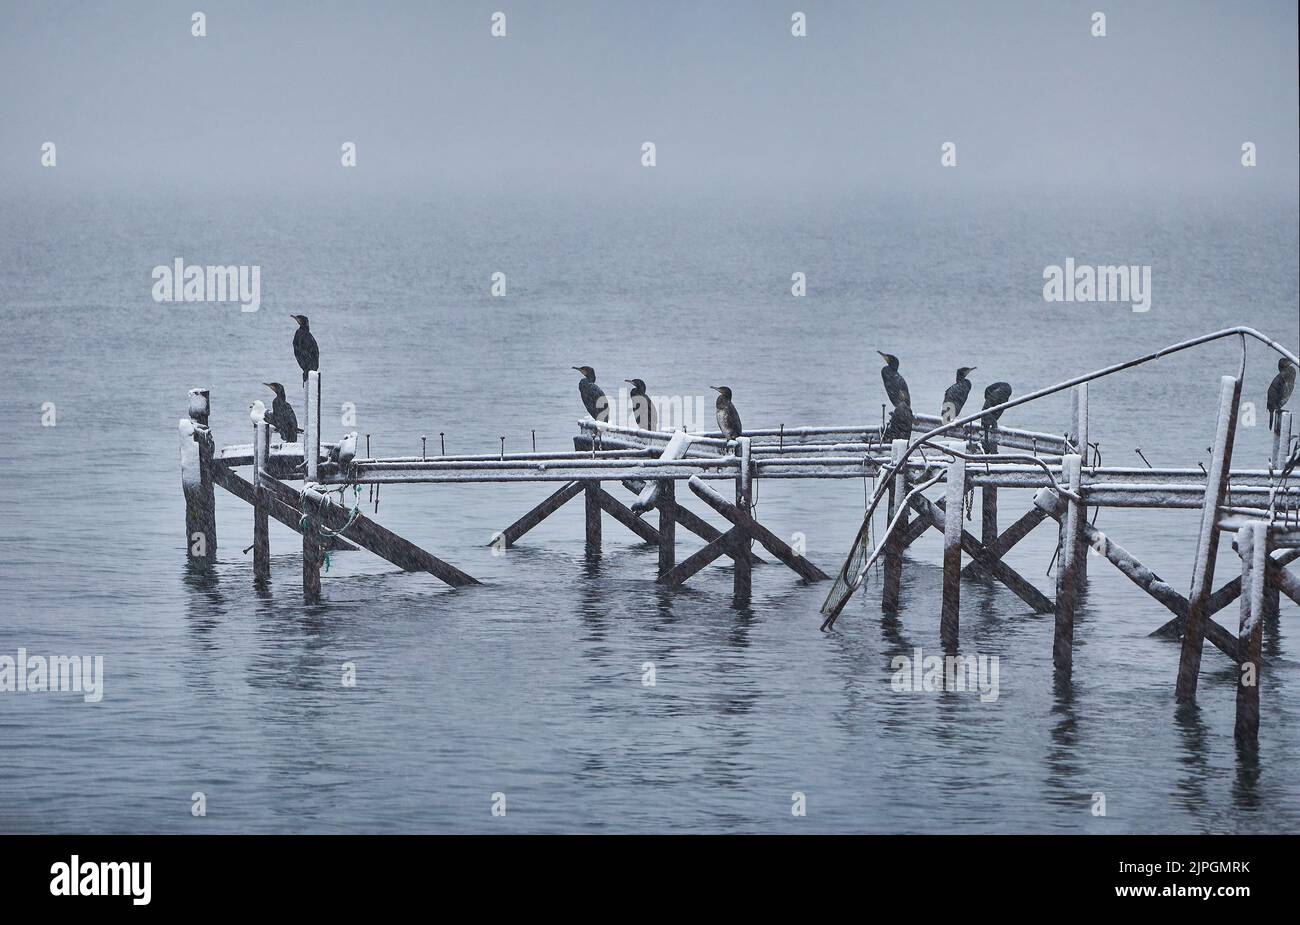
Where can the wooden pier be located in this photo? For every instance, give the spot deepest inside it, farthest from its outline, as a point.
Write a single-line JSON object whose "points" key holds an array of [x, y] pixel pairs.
{"points": [[625, 473]]}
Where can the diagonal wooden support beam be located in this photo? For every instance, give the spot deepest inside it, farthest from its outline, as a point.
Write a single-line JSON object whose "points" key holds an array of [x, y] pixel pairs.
{"points": [[937, 518], [623, 514], [1007, 539], [687, 518], [751, 527], [372, 536], [723, 545], [289, 515], [1127, 563], [544, 510], [1231, 590], [1284, 581]]}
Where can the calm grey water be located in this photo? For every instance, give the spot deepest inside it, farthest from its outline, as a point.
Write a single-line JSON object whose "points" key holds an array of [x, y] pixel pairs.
{"points": [[531, 684]]}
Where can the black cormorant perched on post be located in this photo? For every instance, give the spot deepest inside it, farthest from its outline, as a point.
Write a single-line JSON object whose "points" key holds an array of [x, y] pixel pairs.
{"points": [[1280, 389], [643, 410], [895, 385], [305, 348], [593, 396], [728, 416], [996, 394], [954, 399], [281, 416]]}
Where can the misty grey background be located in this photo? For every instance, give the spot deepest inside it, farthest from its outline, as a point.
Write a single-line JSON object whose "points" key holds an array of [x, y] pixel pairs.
{"points": [[522, 155]]}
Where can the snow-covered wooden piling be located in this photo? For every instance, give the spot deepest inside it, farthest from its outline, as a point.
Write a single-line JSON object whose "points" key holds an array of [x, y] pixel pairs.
{"points": [[261, 503], [197, 449], [1068, 580]]}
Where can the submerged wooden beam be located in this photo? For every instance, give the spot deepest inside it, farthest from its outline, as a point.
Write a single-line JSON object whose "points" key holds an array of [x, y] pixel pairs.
{"points": [[372, 536], [1007, 539], [726, 544], [747, 524], [512, 533], [623, 514], [1207, 543]]}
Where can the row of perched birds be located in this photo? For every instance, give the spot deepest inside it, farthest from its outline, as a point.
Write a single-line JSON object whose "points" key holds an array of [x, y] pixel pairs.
{"points": [[899, 427], [281, 416]]}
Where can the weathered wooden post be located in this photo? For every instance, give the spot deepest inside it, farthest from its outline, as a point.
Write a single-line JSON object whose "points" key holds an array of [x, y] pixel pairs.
{"points": [[312, 555], [261, 503], [311, 430], [955, 501], [667, 502], [1079, 436], [197, 448], [1073, 550], [989, 498], [1252, 544], [591, 497], [1207, 541], [743, 573], [893, 551]]}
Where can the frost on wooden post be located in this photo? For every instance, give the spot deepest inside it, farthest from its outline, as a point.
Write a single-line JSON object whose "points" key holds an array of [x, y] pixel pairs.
{"points": [[191, 470]]}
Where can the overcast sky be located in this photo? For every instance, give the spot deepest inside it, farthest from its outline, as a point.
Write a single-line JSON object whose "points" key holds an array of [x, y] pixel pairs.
{"points": [[727, 94]]}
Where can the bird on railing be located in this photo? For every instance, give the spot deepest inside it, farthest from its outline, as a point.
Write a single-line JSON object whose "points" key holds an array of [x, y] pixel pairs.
{"points": [[281, 416], [643, 410], [305, 348], [592, 395], [728, 416], [996, 394], [954, 398], [1280, 389]]}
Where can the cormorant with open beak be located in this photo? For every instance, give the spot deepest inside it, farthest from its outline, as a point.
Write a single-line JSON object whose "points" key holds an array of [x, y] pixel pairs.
{"points": [[305, 349], [954, 398], [728, 416], [1280, 389], [895, 385], [643, 410], [592, 395], [281, 416]]}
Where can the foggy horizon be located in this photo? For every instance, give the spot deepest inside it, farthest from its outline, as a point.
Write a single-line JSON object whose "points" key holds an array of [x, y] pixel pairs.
{"points": [[264, 101]]}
